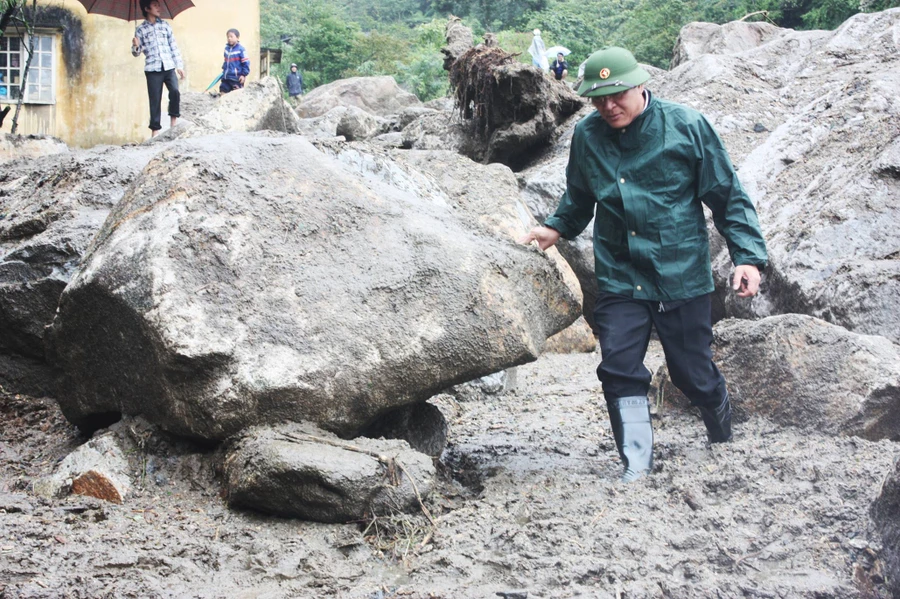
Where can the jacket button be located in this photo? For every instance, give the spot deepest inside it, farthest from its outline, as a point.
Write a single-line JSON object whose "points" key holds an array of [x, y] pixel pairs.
{"points": [[633, 233], [621, 180], [638, 287]]}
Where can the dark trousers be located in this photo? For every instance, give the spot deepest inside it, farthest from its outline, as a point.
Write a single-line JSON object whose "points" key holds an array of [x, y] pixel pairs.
{"points": [[155, 81], [685, 330], [228, 85]]}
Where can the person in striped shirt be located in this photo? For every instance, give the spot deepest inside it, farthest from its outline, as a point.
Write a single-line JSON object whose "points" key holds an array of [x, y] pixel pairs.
{"points": [[236, 66], [154, 38]]}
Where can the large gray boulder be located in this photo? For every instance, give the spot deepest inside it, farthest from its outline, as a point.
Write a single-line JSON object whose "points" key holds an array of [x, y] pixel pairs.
{"points": [[886, 515], [50, 208], [801, 371], [411, 113], [357, 125], [259, 106], [696, 39], [324, 126], [811, 118], [543, 184], [298, 470], [437, 131], [380, 96], [300, 286]]}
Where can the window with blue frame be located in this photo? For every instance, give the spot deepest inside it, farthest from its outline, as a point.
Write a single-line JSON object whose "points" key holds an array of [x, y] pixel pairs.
{"points": [[39, 88]]}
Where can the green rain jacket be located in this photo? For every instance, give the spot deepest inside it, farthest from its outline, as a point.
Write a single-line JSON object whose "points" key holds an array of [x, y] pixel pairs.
{"points": [[645, 186]]}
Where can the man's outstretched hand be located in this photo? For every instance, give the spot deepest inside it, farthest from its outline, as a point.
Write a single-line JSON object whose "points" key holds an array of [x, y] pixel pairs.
{"points": [[545, 237], [746, 280]]}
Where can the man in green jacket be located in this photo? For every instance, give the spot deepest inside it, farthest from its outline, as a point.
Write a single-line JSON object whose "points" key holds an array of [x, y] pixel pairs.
{"points": [[643, 168]]}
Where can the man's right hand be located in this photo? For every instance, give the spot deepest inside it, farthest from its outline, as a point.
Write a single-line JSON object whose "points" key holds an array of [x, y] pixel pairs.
{"points": [[545, 237], [135, 42]]}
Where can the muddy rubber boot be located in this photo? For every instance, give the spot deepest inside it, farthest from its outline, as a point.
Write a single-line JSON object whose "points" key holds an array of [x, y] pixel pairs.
{"points": [[718, 421], [630, 421]]}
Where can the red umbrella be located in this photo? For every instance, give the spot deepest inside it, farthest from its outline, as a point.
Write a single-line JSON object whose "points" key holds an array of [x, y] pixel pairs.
{"points": [[130, 10]]}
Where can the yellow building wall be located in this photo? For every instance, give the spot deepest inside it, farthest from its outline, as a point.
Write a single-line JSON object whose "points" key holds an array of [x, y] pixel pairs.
{"points": [[106, 102]]}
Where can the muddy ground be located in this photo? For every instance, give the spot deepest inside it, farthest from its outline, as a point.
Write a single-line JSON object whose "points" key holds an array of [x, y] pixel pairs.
{"points": [[529, 503]]}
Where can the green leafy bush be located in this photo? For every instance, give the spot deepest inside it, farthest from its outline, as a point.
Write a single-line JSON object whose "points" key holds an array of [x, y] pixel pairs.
{"points": [[403, 38]]}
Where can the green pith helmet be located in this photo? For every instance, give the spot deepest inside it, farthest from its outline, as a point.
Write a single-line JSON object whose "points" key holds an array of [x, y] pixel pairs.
{"points": [[611, 70]]}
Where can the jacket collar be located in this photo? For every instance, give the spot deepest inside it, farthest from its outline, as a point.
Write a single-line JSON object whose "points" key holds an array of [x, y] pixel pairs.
{"points": [[641, 130]]}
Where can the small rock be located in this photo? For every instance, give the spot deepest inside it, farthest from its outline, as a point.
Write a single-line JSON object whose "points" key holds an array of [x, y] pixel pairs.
{"points": [[96, 484]]}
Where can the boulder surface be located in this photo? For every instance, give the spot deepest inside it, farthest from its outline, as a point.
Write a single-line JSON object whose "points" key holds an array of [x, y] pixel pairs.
{"points": [[886, 515], [249, 279], [802, 371], [380, 96], [259, 106], [298, 470], [811, 118]]}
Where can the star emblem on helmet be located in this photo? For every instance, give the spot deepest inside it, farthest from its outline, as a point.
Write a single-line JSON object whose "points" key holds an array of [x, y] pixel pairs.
{"points": [[604, 73]]}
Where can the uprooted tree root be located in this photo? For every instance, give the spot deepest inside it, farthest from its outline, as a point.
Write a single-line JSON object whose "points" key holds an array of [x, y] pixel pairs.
{"points": [[472, 82]]}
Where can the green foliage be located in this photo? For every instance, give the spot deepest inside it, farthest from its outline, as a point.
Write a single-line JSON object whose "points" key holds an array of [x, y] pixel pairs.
{"points": [[516, 42], [312, 34], [424, 76], [877, 5], [403, 38], [828, 14], [651, 31], [373, 14], [492, 15], [8, 10], [412, 57], [375, 53], [582, 27]]}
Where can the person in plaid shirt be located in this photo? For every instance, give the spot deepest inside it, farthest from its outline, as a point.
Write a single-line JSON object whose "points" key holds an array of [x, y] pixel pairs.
{"points": [[155, 40]]}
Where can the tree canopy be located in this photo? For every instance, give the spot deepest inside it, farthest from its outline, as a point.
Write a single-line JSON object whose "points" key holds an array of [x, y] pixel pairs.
{"points": [[345, 38]]}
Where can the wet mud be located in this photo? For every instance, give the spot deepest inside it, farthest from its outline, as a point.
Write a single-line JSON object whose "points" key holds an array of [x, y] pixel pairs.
{"points": [[529, 504]]}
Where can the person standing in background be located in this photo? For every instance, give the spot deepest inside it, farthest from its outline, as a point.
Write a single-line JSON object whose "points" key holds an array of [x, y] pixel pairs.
{"points": [[537, 51], [294, 82], [154, 38]]}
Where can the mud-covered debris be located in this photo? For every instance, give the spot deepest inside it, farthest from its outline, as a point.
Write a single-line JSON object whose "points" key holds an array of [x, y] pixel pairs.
{"points": [[459, 40], [511, 109]]}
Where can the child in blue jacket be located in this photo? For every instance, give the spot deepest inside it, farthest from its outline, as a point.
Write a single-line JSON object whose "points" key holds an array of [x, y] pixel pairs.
{"points": [[236, 66]]}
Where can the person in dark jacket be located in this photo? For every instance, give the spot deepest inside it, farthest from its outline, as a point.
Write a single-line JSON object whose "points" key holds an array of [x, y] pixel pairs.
{"points": [[236, 65], [294, 82], [643, 169], [560, 67]]}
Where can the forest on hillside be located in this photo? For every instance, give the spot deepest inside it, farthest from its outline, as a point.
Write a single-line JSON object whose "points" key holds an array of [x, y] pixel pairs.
{"points": [[402, 38]]}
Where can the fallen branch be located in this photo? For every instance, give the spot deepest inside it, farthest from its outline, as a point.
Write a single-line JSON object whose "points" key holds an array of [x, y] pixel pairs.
{"points": [[764, 13]]}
